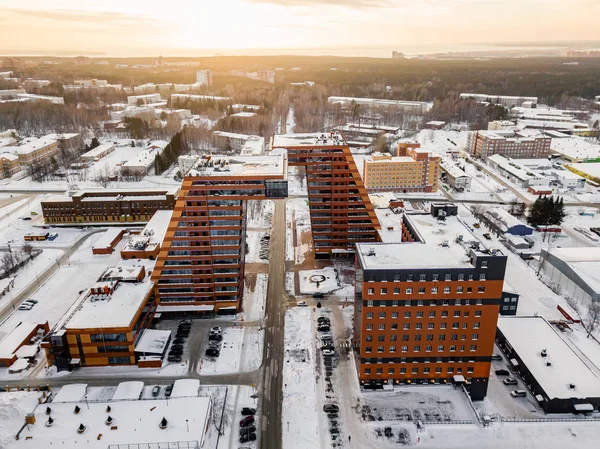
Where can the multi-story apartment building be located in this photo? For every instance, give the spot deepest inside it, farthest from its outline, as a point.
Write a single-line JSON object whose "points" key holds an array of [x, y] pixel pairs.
{"points": [[108, 206], [413, 170], [204, 77], [426, 309], [31, 151], [515, 144], [9, 165], [341, 213], [200, 266], [414, 107], [509, 101]]}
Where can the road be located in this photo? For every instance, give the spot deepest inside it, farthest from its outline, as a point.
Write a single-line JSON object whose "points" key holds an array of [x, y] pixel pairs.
{"points": [[270, 435]]}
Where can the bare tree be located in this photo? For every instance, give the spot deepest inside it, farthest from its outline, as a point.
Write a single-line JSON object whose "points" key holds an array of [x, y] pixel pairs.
{"points": [[592, 319], [27, 249]]}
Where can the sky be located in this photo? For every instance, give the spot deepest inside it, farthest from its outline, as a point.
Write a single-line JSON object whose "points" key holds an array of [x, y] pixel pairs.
{"points": [[171, 27]]}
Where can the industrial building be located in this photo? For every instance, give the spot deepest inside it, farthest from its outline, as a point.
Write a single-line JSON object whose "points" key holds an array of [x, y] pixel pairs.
{"points": [[575, 149], [576, 270], [107, 206], [508, 101], [515, 173], [502, 222], [415, 107], [97, 153], [426, 308], [589, 170], [454, 175], [552, 369], [522, 144]]}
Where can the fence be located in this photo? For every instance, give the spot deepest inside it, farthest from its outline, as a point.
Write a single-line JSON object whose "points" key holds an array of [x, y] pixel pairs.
{"points": [[431, 423], [546, 420], [161, 445]]}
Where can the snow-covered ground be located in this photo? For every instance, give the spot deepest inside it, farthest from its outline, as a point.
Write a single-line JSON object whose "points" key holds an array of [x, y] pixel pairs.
{"points": [[255, 299], [299, 409], [13, 408], [241, 351], [326, 280], [258, 247], [297, 182], [289, 283], [297, 213], [259, 214]]}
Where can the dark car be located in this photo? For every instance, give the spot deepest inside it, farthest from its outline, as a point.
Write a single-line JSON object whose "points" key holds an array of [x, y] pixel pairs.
{"points": [[176, 352], [247, 437], [322, 319], [323, 328], [248, 429], [215, 337], [182, 335], [246, 411], [502, 372], [155, 391], [183, 328], [331, 408], [247, 420], [212, 352], [318, 295], [177, 347], [185, 322], [168, 390], [178, 341], [496, 357], [510, 381], [174, 358]]}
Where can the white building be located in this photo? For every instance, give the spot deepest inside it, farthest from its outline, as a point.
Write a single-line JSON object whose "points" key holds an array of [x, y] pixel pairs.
{"points": [[504, 100], [91, 83], [455, 176], [36, 84], [417, 107], [204, 77], [97, 153], [568, 179], [141, 164], [142, 89], [245, 144], [516, 173], [145, 99], [40, 98], [575, 149]]}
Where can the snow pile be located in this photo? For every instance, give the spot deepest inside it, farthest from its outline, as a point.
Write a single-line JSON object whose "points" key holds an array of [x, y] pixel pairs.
{"points": [[129, 390], [13, 408], [322, 281]]}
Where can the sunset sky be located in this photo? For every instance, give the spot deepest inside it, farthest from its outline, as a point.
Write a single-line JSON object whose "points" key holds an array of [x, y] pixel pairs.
{"points": [[136, 27]]}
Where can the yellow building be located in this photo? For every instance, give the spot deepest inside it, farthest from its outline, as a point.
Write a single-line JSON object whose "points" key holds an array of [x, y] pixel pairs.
{"points": [[9, 165], [34, 150], [588, 170], [412, 170]]}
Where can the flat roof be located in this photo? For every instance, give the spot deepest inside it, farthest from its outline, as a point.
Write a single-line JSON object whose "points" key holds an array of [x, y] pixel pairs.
{"points": [[452, 169], [108, 237], [529, 335], [512, 166], [584, 261], [117, 310], [575, 148], [153, 341], [30, 145], [377, 101], [13, 339], [590, 168], [308, 140], [240, 166], [98, 150], [131, 390]]}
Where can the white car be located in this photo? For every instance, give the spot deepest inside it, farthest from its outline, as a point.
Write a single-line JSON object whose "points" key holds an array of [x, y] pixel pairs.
{"points": [[302, 304], [26, 307], [216, 330], [328, 352], [326, 337]]}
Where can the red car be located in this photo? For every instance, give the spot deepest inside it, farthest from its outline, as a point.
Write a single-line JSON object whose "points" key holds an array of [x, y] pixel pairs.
{"points": [[247, 421]]}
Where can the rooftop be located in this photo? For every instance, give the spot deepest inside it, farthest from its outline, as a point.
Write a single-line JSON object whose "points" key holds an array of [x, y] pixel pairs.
{"points": [[11, 341], [30, 145], [584, 261], [591, 168], [513, 167], [153, 341], [95, 152], [576, 148], [108, 237], [529, 336], [152, 234], [240, 166], [308, 140]]}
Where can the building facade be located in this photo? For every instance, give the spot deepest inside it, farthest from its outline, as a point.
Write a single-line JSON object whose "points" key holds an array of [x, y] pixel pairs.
{"points": [[424, 315], [107, 206], [9, 165], [204, 77], [513, 144]]}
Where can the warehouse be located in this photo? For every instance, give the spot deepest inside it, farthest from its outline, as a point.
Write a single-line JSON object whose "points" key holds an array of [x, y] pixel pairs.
{"points": [[555, 374], [503, 222]]}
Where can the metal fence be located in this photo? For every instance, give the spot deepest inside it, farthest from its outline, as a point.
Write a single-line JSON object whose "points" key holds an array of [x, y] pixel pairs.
{"points": [[448, 422], [519, 420], [161, 445]]}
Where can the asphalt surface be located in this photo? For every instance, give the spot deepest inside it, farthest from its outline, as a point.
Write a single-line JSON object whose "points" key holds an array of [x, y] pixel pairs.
{"points": [[270, 435]]}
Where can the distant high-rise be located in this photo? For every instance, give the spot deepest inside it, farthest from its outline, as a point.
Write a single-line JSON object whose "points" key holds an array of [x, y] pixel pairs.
{"points": [[204, 77]]}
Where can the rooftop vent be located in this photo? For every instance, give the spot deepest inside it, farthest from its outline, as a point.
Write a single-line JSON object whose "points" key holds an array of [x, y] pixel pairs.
{"points": [[571, 386], [548, 363], [544, 353], [371, 252]]}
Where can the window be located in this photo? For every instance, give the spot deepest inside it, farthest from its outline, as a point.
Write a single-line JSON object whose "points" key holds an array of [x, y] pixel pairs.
{"points": [[409, 291], [98, 338], [457, 314], [405, 337], [384, 291], [367, 371], [369, 327], [427, 348], [420, 302], [390, 370], [467, 302], [447, 290], [430, 325], [379, 348], [381, 338], [426, 370], [434, 290], [392, 349], [371, 291], [478, 313], [368, 349], [396, 278], [504, 307], [369, 314], [455, 325], [476, 325], [454, 337], [409, 278], [119, 361], [415, 370], [448, 277], [436, 277], [482, 277], [393, 337], [382, 315], [463, 336], [395, 302], [429, 337], [432, 314], [462, 348], [370, 303], [379, 370], [469, 369], [444, 314], [369, 338], [479, 302], [382, 327], [441, 348], [461, 277], [450, 370], [473, 348], [438, 370], [442, 337], [443, 325], [422, 278], [484, 264], [452, 348], [465, 325], [404, 348], [417, 337], [475, 337], [469, 289], [396, 290], [394, 314], [406, 314], [480, 289], [470, 277], [445, 302], [466, 314], [406, 326], [421, 290], [513, 307], [459, 289], [419, 326], [417, 348], [419, 314], [402, 370]]}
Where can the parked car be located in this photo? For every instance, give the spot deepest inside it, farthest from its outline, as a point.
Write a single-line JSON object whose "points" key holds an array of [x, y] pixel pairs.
{"points": [[32, 301], [487, 236], [247, 437], [247, 420], [25, 306], [184, 327], [322, 319], [182, 334], [302, 304], [246, 411], [212, 352], [178, 346], [186, 322], [331, 408], [327, 345], [155, 391], [328, 352], [217, 330], [510, 381], [178, 341], [174, 358], [496, 357], [168, 390], [502, 372], [248, 429], [518, 393], [326, 337], [26, 218], [318, 295], [323, 328], [215, 337], [176, 352]]}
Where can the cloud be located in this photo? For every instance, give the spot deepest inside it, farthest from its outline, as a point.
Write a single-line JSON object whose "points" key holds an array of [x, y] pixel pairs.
{"points": [[357, 4], [77, 16]]}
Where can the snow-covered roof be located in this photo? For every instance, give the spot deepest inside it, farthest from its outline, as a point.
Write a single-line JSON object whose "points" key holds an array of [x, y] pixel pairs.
{"points": [[71, 393], [107, 238], [503, 219], [529, 336], [584, 261], [185, 388], [9, 156], [198, 97], [513, 167], [30, 146], [452, 169], [16, 337], [308, 140], [377, 102], [590, 168], [153, 341], [99, 150], [129, 390], [272, 165]]}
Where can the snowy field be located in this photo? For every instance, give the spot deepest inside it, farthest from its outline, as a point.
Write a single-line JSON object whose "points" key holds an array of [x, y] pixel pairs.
{"points": [[255, 299], [289, 283], [13, 408], [297, 182], [299, 409], [297, 213], [241, 351]]}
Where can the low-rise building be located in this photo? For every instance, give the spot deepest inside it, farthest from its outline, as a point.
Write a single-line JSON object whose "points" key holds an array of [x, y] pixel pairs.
{"points": [[508, 101], [244, 144], [146, 244], [575, 149], [11, 94], [416, 107], [97, 153], [9, 165], [108, 206], [107, 241], [554, 371], [20, 337], [144, 89], [568, 179], [143, 99], [36, 84], [32, 150], [454, 175], [515, 144], [589, 171], [516, 173], [144, 160], [413, 170], [502, 222]]}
